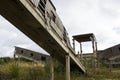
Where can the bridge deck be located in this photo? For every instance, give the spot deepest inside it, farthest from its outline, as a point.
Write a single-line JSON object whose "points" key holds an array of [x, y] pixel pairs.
{"points": [[23, 16]]}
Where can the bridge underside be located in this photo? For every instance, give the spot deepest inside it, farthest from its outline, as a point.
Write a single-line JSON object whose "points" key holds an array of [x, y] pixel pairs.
{"points": [[15, 12]]}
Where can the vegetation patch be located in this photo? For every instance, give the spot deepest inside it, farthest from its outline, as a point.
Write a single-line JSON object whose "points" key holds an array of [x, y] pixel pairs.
{"points": [[15, 70]]}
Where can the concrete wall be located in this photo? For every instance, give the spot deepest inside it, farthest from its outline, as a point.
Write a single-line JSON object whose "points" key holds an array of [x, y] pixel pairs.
{"points": [[31, 55], [112, 53]]}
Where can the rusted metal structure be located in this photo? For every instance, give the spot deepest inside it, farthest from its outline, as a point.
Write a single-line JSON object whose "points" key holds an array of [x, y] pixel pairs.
{"points": [[86, 38]]}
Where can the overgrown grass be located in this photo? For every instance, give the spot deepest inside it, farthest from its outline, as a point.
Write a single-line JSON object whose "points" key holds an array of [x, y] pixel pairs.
{"points": [[24, 71], [34, 71]]}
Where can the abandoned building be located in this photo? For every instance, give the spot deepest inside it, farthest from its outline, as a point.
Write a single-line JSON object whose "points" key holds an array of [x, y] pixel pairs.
{"points": [[31, 55]]}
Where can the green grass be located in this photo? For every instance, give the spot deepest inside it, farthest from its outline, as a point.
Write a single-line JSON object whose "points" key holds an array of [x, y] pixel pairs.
{"points": [[31, 71], [24, 71]]}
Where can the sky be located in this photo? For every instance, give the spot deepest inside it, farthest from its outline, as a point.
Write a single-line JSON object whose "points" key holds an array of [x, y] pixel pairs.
{"points": [[101, 17]]}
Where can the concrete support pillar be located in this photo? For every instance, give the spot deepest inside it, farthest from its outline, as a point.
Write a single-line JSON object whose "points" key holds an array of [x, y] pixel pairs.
{"points": [[110, 66], [78, 55], [96, 45], [81, 56], [85, 62], [73, 44], [97, 65], [52, 69], [80, 47], [67, 67], [19, 59], [17, 62], [14, 56], [94, 56]]}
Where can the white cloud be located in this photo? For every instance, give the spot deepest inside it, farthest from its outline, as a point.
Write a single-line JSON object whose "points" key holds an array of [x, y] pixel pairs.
{"points": [[92, 16], [11, 36], [101, 17]]}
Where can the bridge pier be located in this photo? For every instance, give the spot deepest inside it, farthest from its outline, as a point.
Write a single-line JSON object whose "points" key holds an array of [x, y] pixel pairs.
{"points": [[52, 69], [110, 66], [74, 44], [67, 67], [81, 55]]}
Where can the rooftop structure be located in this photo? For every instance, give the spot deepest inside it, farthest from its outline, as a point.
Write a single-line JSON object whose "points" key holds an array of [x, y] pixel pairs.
{"points": [[85, 38]]}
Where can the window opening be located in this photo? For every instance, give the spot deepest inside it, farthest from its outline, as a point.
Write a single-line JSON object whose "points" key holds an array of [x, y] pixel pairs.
{"points": [[53, 17], [41, 6]]}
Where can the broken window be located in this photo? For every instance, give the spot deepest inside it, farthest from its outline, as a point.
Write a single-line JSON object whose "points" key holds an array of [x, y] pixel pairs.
{"points": [[119, 48], [34, 2], [31, 54], [43, 58], [41, 6], [53, 17], [21, 51]]}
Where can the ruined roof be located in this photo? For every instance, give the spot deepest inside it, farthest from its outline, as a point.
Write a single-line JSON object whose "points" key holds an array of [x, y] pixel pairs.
{"points": [[83, 37]]}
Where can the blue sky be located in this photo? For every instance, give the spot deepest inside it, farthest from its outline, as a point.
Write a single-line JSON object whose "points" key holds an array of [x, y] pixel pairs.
{"points": [[101, 17]]}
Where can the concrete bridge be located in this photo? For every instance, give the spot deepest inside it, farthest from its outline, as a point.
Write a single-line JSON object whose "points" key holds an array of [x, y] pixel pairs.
{"points": [[31, 22]]}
